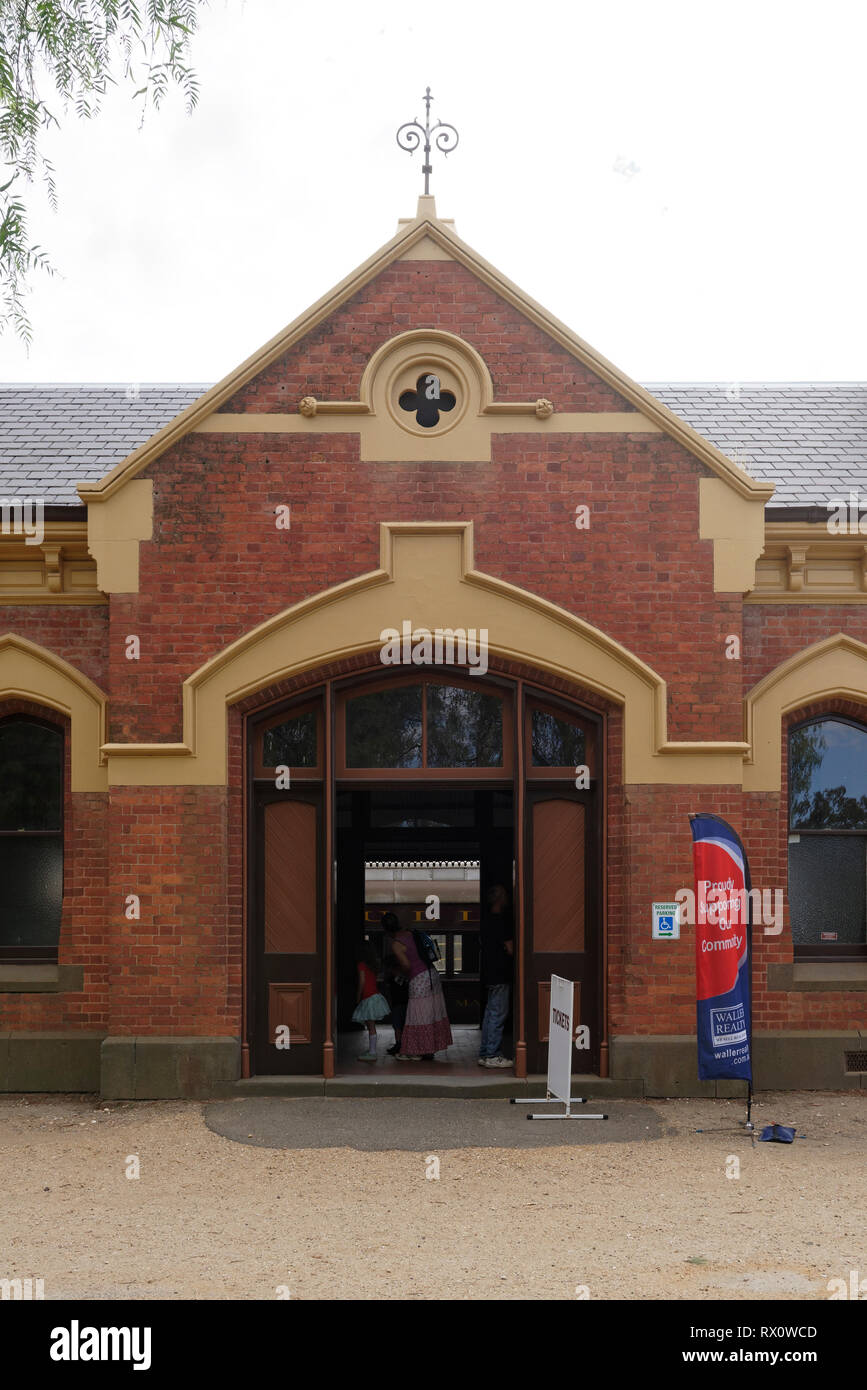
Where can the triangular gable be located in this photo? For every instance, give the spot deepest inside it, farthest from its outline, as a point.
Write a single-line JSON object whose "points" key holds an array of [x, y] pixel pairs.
{"points": [[416, 239]]}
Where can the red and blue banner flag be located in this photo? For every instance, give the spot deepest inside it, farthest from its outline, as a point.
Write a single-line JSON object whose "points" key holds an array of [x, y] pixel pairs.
{"points": [[723, 919]]}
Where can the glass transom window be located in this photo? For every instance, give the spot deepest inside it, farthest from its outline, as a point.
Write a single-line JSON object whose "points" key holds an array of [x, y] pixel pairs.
{"points": [[424, 726], [556, 742], [292, 743]]}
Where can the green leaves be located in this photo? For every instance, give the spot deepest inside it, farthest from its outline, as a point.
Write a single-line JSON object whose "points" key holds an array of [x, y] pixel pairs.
{"points": [[75, 46]]}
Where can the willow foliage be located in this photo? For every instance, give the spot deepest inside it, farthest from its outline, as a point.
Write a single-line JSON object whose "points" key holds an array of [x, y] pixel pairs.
{"points": [[58, 56]]}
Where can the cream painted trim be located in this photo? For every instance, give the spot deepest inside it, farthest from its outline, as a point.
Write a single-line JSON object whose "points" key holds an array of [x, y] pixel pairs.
{"points": [[425, 211], [763, 596], [587, 422], [426, 576], [807, 563], [115, 527], [382, 440], [833, 669], [58, 570], [736, 525], [88, 599], [426, 250], [428, 226], [30, 672]]}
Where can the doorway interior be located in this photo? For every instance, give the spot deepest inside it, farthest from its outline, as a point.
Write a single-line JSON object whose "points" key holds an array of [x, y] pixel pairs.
{"points": [[365, 794], [428, 854]]}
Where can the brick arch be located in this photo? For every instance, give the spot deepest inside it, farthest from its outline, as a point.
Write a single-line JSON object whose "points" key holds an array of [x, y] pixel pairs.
{"points": [[364, 662]]}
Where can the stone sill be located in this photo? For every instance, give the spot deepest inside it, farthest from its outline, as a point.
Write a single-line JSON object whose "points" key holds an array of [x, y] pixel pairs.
{"points": [[819, 975], [40, 979]]}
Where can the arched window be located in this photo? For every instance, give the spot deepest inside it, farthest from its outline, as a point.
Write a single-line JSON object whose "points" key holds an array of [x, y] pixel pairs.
{"points": [[432, 726], [828, 837], [31, 838]]}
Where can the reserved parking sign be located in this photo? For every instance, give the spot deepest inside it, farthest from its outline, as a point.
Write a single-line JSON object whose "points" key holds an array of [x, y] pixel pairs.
{"points": [[666, 921]]}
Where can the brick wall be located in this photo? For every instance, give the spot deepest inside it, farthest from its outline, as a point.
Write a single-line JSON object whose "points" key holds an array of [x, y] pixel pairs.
{"points": [[218, 566], [76, 632], [523, 361], [774, 632], [175, 969]]}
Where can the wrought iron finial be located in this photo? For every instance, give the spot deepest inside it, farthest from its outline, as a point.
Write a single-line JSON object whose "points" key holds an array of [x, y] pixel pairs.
{"points": [[413, 134]]}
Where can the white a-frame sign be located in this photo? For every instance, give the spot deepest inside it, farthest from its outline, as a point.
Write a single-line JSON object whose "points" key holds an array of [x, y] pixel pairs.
{"points": [[560, 1034]]}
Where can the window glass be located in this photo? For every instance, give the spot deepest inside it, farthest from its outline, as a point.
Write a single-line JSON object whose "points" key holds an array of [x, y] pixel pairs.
{"points": [[464, 728], [828, 890], [439, 938], [291, 744], [458, 952], [31, 839], [384, 728], [828, 776], [31, 776], [556, 742], [31, 871]]}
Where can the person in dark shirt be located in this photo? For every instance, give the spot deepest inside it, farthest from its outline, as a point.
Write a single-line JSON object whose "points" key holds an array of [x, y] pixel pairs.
{"points": [[398, 983], [495, 971]]}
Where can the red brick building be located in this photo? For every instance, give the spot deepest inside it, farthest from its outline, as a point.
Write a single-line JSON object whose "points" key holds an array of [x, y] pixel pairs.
{"points": [[208, 770]]}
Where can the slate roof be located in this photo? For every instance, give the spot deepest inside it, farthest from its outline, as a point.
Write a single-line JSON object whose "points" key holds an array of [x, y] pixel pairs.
{"points": [[53, 437], [809, 438]]}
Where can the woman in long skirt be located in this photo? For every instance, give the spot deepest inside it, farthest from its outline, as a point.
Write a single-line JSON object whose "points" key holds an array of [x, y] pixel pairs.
{"points": [[426, 1029]]}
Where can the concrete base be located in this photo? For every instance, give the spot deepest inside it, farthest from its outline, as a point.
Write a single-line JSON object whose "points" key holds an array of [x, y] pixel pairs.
{"points": [[49, 1061], [126, 1068], [169, 1068], [786, 1061]]}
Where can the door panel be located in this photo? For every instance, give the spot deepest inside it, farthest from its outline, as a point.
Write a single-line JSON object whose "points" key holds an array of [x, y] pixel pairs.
{"points": [[558, 876], [289, 935], [290, 878], [561, 925]]}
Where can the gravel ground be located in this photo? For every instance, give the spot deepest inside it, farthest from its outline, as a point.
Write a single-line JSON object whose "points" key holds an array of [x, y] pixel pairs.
{"points": [[646, 1213]]}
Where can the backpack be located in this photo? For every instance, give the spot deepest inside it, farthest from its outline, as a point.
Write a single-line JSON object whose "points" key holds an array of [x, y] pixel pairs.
{"points": [[428, 950]]}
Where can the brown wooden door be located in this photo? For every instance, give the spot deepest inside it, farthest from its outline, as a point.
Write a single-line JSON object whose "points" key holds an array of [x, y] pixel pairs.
{"points": [[289, 935], [561, 917]]}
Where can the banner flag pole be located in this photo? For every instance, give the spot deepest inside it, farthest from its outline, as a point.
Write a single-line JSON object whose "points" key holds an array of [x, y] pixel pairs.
{"points": [[723, 953]]}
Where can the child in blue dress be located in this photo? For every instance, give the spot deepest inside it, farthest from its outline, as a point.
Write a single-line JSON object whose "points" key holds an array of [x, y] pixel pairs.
{"points": [[372, 1006]]}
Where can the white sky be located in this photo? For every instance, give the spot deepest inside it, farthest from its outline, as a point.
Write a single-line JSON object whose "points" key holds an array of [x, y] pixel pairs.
{"points": [[735, 253]]}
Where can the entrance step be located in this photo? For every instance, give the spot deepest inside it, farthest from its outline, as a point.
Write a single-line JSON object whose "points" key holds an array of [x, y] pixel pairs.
{"points": [[460, 1087]]}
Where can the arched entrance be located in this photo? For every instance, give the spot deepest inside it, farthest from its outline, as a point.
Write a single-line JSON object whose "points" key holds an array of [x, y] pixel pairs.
{"points": [[416, 790]]}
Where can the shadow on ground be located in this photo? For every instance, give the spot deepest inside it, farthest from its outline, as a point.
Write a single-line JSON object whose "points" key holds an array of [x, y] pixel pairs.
{"points": [[420, 1125]]}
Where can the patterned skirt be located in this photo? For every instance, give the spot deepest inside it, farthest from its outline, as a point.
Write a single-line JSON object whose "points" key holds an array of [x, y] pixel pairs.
{"points": [[372, 1009], [427, 1024]]}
